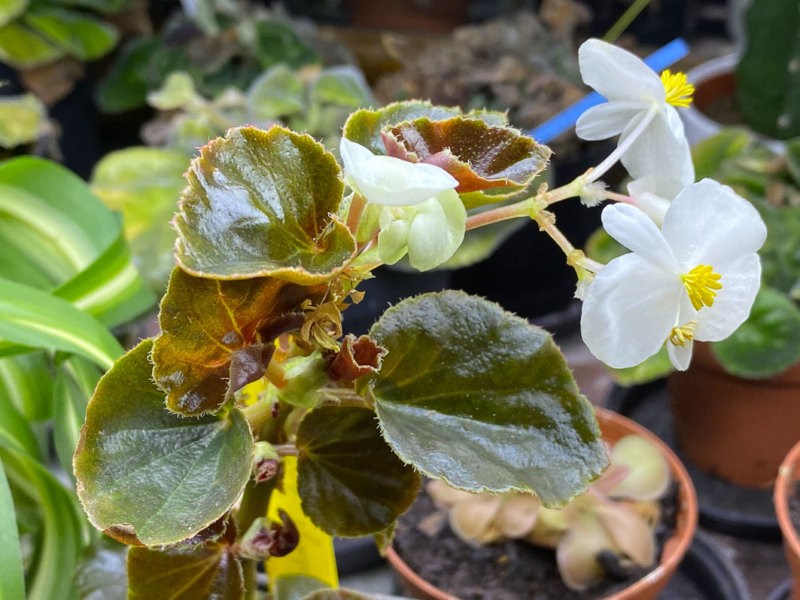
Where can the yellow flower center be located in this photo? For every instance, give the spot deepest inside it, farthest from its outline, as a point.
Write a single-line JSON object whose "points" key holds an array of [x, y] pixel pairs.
{"points": [[680, 336], [679, 91], [700, 284]]}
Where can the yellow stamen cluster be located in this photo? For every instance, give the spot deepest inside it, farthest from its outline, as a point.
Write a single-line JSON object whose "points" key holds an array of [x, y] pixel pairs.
{"points": [[680, 336], [679, 91], [700, 284]]}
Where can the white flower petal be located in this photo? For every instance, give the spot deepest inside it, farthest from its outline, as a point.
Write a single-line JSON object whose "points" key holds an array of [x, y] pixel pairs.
{"points": [[709, 224], [630, 309], [660, 149], [437, 231], [641, 192], [390, 181], [618, 74], [680, 356], [740, 282], [636, 231], [607, 120]]}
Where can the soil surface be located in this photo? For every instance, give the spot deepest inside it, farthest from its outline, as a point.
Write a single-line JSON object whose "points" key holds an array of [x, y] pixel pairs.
{"points": [[511, 570]]}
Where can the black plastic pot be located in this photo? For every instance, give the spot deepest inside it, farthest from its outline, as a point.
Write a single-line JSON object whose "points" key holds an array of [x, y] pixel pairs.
{"points": [[724, 507], [707, 569], [782, 592]]}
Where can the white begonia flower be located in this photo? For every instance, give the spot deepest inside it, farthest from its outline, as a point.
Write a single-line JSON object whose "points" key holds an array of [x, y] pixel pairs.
{"points": [[694, 279], [422, 213], [634, 93], [643, 193]]}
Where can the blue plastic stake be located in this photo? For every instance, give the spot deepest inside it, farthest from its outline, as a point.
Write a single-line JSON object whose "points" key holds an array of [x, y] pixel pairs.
{"points": [[555, 126]]}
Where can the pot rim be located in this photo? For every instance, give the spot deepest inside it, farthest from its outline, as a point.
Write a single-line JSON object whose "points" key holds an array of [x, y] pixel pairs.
{"points": [[783, 483], [674, 548]]}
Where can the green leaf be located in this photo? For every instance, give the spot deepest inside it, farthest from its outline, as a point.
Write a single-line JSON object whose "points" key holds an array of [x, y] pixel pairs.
{"points": [[263, 203], [101, 573], [793, 159], [63, 527], [712, 153], [177, 92], [295, 587], [62, 238], [27, 380], [274, 43], [144, 185], [343, 85], [32, 318], [278, 92], [767, 343], [157, 476], [82, 36], [365, 126], [480, 156], [22, 47], [480, 398], [209, 570], [15, 430], [349, 480], [74, 385], [130, 78], [9, 9], [203, 323], [768, 88], [12, 582], [655, 367], [21, 119]]}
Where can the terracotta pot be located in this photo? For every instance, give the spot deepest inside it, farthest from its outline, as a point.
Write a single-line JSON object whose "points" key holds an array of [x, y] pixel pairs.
{"points": [[614, 427], [788, 474], [737, 429]]}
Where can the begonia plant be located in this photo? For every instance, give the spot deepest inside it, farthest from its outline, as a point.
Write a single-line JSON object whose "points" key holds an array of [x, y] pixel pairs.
{"points": [[252, 427]]}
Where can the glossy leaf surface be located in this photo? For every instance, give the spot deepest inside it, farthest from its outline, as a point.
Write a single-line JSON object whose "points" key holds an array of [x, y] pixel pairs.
{"points": [[205, 321], [365, 126], [350, 481], [261, 203], [478, 155], [209, 570], [478, 397], [144, 470]]}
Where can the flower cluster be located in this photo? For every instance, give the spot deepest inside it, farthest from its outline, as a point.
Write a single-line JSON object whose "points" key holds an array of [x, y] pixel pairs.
{"points": [[693, 272]]}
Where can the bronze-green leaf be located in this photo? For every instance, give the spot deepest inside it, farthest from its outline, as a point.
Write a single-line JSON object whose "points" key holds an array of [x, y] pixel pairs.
{"points": [[350, 482], [480, 156], [209, 570], [204, 322], [141, 469], [365, 126], [262, 203], [479, 397]]}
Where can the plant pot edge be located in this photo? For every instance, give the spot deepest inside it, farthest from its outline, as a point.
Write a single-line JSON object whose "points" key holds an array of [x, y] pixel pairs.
{"points": [[791, 541], [675, 548]]}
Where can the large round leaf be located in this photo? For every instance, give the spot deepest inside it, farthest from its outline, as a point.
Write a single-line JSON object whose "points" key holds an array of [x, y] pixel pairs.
{"points": [[478, 397], [349, 480], [263, 203], [768, 342], [146, 471]]}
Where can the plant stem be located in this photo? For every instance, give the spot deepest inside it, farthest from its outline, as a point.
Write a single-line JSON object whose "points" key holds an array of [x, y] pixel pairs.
{"points": [[345, 398], [625, 20], [618, 197], [503, 213], [258, 413], [357, 205], [250, 572], [286, 450], [611, 159]]}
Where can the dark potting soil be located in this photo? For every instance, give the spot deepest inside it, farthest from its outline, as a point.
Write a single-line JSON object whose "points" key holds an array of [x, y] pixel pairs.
{"points": [[510, 570], [650, 407]]}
